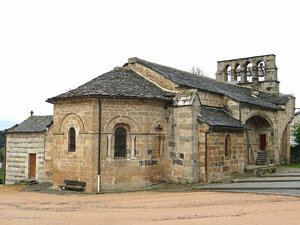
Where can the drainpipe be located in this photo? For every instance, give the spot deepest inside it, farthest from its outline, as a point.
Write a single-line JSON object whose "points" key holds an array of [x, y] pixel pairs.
{"points": [[99, 145], [206, 166], [240, 112]]}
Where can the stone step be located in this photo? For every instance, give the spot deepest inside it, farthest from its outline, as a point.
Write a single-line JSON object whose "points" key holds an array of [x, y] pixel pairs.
{"points": [[27, 181], [267, 179]]}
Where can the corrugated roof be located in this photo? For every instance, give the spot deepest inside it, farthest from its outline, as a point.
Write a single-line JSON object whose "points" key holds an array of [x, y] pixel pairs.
{"points": [[32, 125], [217, 118], [121, 83], [235, 92]]}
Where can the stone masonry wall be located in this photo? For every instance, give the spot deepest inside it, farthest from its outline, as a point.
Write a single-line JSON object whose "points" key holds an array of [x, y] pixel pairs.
{"points": [[151, 75], [211, 99], [146, 123], [81, 164], [184, 164], [203, 128], [19, 146], [278, 133], [284, 123], [220, 165], [48, 161], [232, 107]]}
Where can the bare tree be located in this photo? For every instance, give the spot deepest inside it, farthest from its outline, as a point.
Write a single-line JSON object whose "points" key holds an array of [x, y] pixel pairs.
{"points": [[197, 70]]}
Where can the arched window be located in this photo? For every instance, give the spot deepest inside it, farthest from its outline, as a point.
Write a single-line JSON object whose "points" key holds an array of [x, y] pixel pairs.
{"points": [[120, 142], [261, 68], [229, 75], [227, 146], [249, 72], [72, 140], [238, 73]]}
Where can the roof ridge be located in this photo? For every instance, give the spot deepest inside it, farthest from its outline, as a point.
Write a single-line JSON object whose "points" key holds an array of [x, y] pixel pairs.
{"points": [[135, 60], [41, 115]]}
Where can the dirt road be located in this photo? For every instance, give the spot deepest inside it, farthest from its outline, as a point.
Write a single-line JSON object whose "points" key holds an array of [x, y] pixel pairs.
{"points": [[148, 208]]}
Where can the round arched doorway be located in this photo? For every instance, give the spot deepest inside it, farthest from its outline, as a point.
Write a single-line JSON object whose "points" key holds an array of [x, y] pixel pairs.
{"points": [[259, 140]]}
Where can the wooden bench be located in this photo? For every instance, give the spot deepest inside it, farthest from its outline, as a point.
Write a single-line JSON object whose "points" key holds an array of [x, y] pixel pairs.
{"points": [[73, 185]]}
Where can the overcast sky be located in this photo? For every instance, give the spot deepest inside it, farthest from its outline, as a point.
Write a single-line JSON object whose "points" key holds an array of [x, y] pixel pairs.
{"points": [[49, 47]]}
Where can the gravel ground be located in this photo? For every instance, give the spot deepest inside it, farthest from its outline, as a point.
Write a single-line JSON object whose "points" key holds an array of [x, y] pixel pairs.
{"points": [[161, 204], [147, 208]]}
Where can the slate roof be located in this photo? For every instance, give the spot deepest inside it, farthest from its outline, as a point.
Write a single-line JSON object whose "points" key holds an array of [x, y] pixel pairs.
{"points": [[238, 93], [32, 125], [278, 99], [118, 83], [217, 118]]}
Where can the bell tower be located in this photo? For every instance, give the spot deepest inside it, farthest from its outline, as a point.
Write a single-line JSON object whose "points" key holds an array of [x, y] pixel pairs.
{"points": [[257, 72]]}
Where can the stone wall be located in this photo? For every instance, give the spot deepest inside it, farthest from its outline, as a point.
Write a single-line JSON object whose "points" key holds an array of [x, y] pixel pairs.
{"points": [[284, 123], [278, 132], [183, 150], [265, 78], [19, 146], [81, 164], [211, 99], [145, 122], [153, 76], [220, 165], [203, 135], [48, 161], [232, 107]]}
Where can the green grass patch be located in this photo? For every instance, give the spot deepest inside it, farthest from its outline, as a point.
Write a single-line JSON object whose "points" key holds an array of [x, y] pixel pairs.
{"points": [[292, 165], [1, 175]]}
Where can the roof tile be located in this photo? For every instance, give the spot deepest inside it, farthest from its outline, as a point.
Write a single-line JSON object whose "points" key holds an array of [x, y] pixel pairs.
{"points": [[235, 92], [218, 118], [120, 82], [32, 124]]}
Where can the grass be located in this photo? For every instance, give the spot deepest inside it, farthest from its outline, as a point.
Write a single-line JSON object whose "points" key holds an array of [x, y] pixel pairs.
{"points": [[1, 175], [292, 165]]}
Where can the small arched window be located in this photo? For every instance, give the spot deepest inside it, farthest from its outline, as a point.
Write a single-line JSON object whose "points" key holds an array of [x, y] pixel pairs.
{"points": [[229, 74], [238, 73], [261, 68], [120, 142], [72, 140], [249, 72], [227, 146]]}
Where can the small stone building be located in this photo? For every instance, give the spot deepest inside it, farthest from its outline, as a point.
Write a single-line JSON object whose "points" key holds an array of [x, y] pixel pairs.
{"points": [[145, 123], [25, 149]]}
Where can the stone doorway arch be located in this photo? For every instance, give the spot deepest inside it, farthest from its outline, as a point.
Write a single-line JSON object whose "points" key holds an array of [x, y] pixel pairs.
{"points": [[284, 153], [259, 140]]}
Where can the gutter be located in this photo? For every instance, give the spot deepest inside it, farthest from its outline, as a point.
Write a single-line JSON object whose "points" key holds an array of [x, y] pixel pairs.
{"points": [[54, 99], [99, 147], [230, 128]]}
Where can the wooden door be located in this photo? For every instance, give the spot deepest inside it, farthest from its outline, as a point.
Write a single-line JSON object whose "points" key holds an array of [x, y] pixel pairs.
{"points": [[32, 165], [263, 141]]}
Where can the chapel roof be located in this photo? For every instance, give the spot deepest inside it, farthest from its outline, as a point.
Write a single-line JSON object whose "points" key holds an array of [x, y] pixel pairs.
{"points": [[34, 124], [235, 92], [217, 118], [118, 83]]}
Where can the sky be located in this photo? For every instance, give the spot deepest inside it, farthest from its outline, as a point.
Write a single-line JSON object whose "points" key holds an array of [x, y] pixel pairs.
{"points": [[50, 47]]}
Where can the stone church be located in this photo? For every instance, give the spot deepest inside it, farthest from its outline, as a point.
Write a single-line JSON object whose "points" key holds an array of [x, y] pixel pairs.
{"points": [[144, 123]]}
